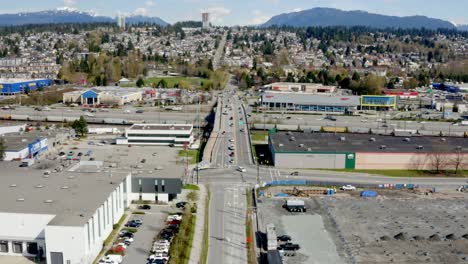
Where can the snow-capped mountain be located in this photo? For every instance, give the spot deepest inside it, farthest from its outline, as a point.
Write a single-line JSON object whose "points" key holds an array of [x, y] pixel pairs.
{"points": [[68, 15]]}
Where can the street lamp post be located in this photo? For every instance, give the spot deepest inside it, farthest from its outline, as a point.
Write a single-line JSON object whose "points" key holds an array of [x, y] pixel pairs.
{"points": [[258, 168]]}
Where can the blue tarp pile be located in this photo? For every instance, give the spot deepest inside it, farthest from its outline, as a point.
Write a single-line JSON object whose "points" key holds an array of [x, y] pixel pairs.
{"points": [[368, 193], [287, 182], [281, 195]]}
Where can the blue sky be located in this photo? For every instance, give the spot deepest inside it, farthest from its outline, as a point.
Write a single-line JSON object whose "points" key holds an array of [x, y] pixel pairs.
{"points": [[245, 12]]}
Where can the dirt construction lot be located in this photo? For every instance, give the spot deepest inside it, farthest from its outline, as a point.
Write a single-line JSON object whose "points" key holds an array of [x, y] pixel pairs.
{"points": [[395, 227], [409, 229]]}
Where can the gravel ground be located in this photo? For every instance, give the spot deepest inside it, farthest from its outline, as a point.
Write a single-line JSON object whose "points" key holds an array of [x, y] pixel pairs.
{"points": [[412, 229], [395, 227], [308, 229]]}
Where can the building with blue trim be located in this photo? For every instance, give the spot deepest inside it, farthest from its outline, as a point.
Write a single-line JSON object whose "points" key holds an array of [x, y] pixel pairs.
{"points": [[17, 86]]}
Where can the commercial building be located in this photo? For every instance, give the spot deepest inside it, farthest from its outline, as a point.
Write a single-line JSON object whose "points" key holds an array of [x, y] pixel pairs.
{"points": [[205, 20], [314, 88], [22, 144], [65, 217], [287, 101], [103, 96], [378, 102], [176, 135], [121, 21], [16, 86], [364, 151], [402, 94]]}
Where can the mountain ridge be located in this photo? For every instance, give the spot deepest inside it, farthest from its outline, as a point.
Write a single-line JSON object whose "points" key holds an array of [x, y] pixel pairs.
{"points": [[321, 16], [69, 15]]}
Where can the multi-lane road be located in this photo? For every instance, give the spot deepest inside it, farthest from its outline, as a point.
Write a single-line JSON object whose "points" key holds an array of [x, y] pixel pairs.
{"points": [[148, 115], [228, 196]]}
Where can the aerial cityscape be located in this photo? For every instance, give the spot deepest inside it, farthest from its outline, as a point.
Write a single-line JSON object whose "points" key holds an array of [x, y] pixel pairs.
{"points": [[219, 132]]}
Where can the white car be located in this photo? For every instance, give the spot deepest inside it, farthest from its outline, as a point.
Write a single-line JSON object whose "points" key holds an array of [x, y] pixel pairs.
{"points": [[241, 169], [164, 257], [107, 261], [174, 217], [231, 140], [114, 258], [162, 242], [348, 188]]}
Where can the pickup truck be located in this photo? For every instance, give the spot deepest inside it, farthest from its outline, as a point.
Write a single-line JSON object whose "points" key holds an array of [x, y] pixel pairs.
{"points": [[348, 188]]}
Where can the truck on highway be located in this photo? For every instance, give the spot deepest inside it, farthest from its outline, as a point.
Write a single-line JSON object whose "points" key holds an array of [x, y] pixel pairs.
{"points": [[464, 123], [295, 205]]}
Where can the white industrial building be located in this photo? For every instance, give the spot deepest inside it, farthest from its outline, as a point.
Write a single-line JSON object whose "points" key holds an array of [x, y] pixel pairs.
{"points": [[22, 144], [66, 217], [176, 135]]}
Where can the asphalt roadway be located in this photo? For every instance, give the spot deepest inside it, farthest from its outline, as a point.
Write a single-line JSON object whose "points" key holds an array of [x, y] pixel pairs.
{"points": [[227, 240], [268, 174], [149, 116]]}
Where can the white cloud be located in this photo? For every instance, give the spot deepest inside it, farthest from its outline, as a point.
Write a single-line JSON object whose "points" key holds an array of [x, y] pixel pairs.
{"points": [[149, 3], [217, 13], [258, 17], [141, 11], [69, 3]]}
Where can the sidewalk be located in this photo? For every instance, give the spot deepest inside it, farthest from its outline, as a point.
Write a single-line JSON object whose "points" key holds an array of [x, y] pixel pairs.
{"points": [[197, 243]]}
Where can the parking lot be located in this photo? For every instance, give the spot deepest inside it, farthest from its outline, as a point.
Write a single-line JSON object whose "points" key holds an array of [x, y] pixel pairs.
{"points": [[153, 222], [307, 229]]}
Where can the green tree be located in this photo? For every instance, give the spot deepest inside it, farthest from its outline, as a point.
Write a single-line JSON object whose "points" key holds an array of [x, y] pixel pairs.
{"points": [[80, 126], [2, 149], [162, 84], [140, 82], [356, 76]]}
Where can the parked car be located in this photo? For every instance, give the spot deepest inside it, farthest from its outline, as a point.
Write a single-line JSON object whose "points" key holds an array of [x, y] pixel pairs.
{"points": [[294, 173], [174, 217], [348, 188], [289, 247], [132, 224], [144, 207], [139, 111], [126, 234], [80, 154], [284, 238]]}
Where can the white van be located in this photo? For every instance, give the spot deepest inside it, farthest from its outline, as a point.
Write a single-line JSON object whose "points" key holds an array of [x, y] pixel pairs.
{"points": [[115, 258]]}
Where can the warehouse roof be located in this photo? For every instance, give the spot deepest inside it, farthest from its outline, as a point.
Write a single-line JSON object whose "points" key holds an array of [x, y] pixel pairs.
{"points": [[310, 99], [300, 142], [161, 127], [72, 196], [17, 142], [16, 80]]}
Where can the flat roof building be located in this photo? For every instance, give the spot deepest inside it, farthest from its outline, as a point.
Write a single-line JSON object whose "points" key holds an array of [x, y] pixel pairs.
{"points": [[290, 101], [65, 217], [364, 151], [103, 96], [17, 86], [158, 134], [315, 88]]}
